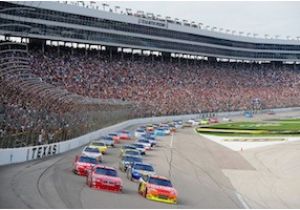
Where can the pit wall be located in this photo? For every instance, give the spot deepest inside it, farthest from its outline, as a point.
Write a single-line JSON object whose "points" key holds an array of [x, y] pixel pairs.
{"points": [[18, 155]]}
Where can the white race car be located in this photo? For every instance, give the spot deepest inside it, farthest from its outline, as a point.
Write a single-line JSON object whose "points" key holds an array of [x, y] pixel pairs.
{"points": [[92, 152], [139, 132], [144, 142], [193, 122]]}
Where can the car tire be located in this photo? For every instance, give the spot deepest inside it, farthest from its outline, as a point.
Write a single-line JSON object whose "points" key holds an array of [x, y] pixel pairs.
{"points": [[139, 189], [145, 193]]}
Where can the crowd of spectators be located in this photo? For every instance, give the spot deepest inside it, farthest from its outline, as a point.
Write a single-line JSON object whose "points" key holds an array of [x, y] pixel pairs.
{"points": [[156, 87], [162, 87]]}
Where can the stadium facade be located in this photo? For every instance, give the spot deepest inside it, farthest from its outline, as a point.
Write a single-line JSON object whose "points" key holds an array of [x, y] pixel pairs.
{"points": [[78, 24]]}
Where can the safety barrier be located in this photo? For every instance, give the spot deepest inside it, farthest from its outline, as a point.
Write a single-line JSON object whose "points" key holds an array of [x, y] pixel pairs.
{"points": [[17, 155]]}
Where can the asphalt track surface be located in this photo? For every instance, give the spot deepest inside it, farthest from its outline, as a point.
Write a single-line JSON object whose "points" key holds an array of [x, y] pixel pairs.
{"points": [[197, 172]]}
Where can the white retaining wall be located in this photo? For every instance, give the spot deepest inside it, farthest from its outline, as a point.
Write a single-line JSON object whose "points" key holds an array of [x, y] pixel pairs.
{"points": [[17, 155]]}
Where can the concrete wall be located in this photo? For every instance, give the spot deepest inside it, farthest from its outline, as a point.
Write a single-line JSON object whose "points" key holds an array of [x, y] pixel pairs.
{"points": [[17, 155]]}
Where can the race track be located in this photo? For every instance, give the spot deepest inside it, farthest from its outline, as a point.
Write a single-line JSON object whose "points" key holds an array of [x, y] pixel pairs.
{"points": [[196, 172]]}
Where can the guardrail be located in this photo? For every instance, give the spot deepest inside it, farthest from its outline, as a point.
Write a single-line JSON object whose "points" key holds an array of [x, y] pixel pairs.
{"points": [[17, 155]]}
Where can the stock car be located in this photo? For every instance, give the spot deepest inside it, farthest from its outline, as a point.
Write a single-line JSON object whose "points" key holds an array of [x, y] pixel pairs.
{"points": [[124, 135], [226, 119], [172, 128], [137, 170], [157, 188], [93, 152], [82, 164], [161, 131], [203, 122], [145, 142], [213, 120], [115, 136], [187, 124], [108, 140], [140, 147], [149, 128], [193, 122], [131, 152], [103, 177], [127, 146], [127, 161], [151, 138], [178, 124], [100, 145], [139, 132]]}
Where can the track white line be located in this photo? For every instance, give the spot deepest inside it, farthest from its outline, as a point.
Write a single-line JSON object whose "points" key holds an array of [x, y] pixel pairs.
{"points": [[241, 199]]}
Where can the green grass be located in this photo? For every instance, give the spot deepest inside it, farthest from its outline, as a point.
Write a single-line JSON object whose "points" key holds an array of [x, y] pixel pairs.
{"points": [[286, 127]]}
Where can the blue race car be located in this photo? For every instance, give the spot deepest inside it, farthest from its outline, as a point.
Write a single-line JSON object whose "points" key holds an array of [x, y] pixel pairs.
{"points": [[138, 170]]}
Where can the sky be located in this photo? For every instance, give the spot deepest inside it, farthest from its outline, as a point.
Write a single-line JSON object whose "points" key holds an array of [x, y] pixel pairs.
{"points": [[261, 17]]}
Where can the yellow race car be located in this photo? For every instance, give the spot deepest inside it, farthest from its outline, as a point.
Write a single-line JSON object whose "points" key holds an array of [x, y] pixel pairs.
{"points": [[101, 146], [157, 188]]}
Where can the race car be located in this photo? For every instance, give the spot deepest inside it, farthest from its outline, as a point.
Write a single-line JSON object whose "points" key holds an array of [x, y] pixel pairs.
{"points": [[140, 147], [93, 152], [82, 164], [131, 152], [193, 122], [108, 141], [187, 124], [213, 120], [151, 138], [103, 177], [115, 137], [139, 132], [226, 119], [145, 142], [177, 124], [161, 131], [149, 128], [127, 146], [172, 128], [100, 145], [137, 170], [127, 161], [124, 135], [157, 188], [203, 122]]}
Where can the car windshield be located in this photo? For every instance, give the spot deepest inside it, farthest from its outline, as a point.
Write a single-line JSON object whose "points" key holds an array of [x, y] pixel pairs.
{"points": [[84, 159], [106, 171], [144, 141], [98, 144], [140, 130], [139, 145], [161, 182], [132, 159], [143, 167], [128, 147], [125, 132], [112, 134], [91, 149], [130, 152]]}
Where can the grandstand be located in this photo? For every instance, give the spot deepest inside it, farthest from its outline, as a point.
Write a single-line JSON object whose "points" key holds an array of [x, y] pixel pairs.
{"points": [[78, 69]]}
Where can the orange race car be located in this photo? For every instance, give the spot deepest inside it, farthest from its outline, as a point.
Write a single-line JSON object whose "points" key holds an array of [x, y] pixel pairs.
{"points": [[157, 188]]}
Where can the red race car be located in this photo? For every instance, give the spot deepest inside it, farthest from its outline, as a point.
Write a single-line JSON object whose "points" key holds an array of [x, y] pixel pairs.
{"points": [[103, 177], [115, 137], [157, 188], [124, 135], [83, 163], [213, 120]]}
